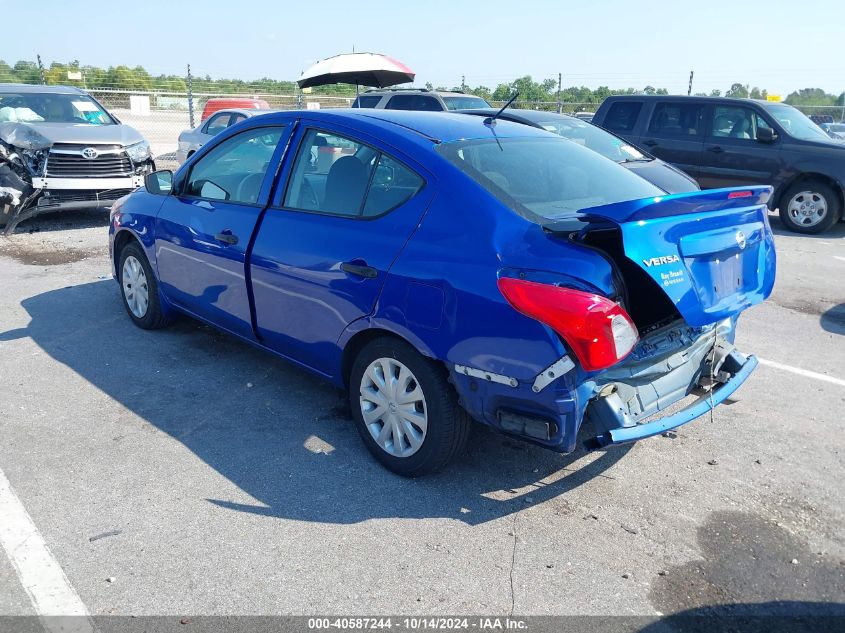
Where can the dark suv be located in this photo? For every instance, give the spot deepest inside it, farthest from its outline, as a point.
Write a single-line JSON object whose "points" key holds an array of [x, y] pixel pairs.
{"points": [[723, 142]]}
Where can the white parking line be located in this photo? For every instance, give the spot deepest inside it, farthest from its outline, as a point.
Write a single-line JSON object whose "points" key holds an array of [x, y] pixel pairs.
{"points": [[38, 571], [803, 372]]}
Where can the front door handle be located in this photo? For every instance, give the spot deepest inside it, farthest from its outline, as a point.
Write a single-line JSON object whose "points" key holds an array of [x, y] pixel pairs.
{"points": [[368, 272], [227, 238], [650, 143], [716, 149]]}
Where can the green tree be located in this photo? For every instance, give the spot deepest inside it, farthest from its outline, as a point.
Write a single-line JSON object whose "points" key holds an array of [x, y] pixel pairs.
{"points": [[737, 91]]}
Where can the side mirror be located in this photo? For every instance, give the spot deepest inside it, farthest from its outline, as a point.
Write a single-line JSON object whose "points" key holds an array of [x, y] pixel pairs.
{"points": [[766, 135], [159, 182]]}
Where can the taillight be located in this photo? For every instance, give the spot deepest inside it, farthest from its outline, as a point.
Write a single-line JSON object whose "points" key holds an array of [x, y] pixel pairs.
{"points": [[597, 329]]}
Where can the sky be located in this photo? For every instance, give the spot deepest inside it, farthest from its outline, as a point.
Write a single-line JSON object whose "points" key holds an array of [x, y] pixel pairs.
{"points": [[772, 44]]}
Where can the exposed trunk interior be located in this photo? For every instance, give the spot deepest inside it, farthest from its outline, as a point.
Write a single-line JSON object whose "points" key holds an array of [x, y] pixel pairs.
{"points": [[649, 306]]}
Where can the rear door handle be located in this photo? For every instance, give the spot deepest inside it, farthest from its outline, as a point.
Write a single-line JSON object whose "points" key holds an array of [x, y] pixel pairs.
{"points": [[650, 143], [716, 149], [368, 272], [227, 238]]}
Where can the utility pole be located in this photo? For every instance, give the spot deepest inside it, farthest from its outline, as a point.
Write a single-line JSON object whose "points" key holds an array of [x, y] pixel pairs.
{"points": [[41, 69], [689, 90], [190, 98], [559, 82], [463, 83]]}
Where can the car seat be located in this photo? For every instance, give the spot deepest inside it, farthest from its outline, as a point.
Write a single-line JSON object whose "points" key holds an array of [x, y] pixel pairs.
{"points": [[345, 186], [741, 129]]}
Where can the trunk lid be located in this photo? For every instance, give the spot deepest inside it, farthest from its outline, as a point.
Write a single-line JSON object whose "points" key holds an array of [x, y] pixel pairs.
{"points": [[711, 252]]}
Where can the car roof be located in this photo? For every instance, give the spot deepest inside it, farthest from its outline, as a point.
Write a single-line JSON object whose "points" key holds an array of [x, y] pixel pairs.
{"points": [[41, 89], [528, 116], [439, 127], [765, 104], [399, 91], [245, 111]]}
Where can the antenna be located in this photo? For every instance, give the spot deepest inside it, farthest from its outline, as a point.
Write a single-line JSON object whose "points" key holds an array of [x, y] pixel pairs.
{"points": [[491, 120]]}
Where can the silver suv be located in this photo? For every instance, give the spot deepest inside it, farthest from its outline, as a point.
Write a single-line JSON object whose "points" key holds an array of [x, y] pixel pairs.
{"points": [[418, 99], [60, 149]]}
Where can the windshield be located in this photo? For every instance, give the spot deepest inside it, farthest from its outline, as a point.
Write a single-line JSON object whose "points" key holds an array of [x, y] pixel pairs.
{"points": [[837, 127], [37, 107], [465, 103], [797, 124], [594, 138], [545, 178]]}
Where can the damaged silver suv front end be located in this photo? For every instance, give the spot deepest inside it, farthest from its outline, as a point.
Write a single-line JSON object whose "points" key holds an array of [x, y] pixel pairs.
{"points": [[56, 165]]}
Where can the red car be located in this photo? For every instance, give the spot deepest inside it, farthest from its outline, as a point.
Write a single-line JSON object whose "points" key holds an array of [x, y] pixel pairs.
{"points": [[225, 103]]}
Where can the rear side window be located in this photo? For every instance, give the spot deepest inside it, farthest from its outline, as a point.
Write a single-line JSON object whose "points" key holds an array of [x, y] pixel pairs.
{"points": [[622, 116], [366, 102], [677, 119], [393, 184], [414, 102], [340, 176]]}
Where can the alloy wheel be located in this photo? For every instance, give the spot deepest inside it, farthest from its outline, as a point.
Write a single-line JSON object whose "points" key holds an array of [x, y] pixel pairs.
{"points": [[807, 208]]}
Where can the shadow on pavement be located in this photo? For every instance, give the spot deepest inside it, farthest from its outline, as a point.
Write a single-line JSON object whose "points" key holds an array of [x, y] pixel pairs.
{"points": [[280, 435], [778, 228], [833, 320]]}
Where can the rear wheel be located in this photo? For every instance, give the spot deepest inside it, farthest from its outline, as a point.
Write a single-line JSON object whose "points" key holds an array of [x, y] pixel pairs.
{"points": [[405, 410], [139, 288], [810, 206]]}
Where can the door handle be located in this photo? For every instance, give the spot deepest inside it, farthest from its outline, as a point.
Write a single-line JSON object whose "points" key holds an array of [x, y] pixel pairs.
{"points": [[650, 143], [227, 238], [368, 272], [716, 149]]}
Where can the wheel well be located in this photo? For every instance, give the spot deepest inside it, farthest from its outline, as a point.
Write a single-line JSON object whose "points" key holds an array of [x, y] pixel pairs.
{"points": [[120, 241], [357, 343], [805, 177]]}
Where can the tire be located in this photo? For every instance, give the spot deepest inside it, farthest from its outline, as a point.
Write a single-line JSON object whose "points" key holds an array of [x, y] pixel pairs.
{"points": [[136, 280], [810, 207], [446, 423]]}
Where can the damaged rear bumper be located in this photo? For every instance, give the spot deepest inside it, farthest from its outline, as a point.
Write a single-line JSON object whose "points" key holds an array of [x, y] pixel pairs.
{"points": [[623, 435]]}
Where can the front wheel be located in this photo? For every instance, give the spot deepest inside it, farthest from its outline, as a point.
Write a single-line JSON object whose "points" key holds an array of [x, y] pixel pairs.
{"points": [[405, 410], [809, 207], [139, 288]]}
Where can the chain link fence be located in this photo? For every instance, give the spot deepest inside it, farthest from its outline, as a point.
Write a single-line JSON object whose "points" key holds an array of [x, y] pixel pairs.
{"points": [[161, 116]]}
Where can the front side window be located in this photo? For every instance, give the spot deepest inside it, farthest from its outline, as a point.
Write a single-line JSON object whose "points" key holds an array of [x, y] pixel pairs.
{"points": [[414, 102], [234, 170], [677, 119], [622, 116], [35, 107], [339, 176], [736, 122], [545, 178]]}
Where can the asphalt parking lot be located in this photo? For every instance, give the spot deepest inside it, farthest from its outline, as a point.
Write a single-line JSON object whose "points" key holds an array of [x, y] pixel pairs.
{"points": [[182, 472]]}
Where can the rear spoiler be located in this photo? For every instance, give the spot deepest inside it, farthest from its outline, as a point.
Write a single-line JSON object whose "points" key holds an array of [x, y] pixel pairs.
{"points": [[666, 206]]}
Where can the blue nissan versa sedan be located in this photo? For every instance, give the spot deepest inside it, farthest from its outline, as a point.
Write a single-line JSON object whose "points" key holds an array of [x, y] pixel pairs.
{"points": [[443, 267]]}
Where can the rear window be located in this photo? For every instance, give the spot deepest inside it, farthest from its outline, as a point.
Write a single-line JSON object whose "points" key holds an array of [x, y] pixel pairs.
{"points": [[622, 116], [366, 102], [414, 102], [545, 178]]}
